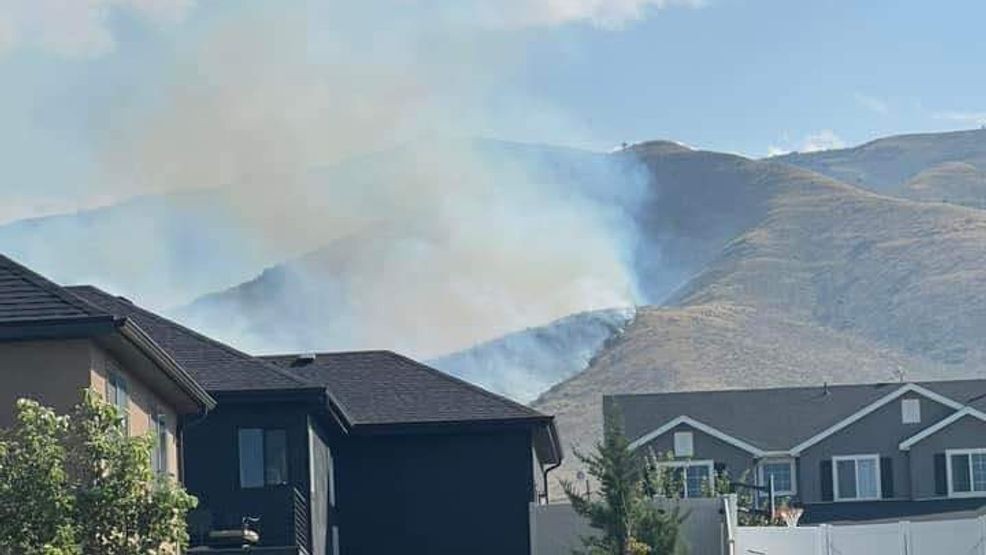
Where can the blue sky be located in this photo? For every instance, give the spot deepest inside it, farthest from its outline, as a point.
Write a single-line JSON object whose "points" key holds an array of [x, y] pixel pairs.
{"points": [[133, 96]]}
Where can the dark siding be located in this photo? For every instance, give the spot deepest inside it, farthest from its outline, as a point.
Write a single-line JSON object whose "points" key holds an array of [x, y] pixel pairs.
{"points": [[825, 476], [887, 477], [436, 494], [941, 474], [320, 526], [212, 472]]}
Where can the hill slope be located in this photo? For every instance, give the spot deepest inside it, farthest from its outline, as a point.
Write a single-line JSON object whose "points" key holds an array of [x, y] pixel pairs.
{"points": [[523, 364], [834, 284], [142, 247], [930, 166], [676, 219]]}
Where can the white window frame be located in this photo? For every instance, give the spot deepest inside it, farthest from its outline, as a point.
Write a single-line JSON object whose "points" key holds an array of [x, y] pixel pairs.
{"points": [[686, 439], [685, 464], [856, 459], [916, 403], [794, 477], [949, 471]]}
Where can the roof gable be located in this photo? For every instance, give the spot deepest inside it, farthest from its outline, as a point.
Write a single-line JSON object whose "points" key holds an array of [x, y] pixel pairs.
{"points": [[872, 407], [781, 420], [941, 425], [705, 428]]}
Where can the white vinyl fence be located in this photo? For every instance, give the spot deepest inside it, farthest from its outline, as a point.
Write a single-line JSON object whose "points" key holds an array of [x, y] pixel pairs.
{"points": [[557, 530], [935, 537]]}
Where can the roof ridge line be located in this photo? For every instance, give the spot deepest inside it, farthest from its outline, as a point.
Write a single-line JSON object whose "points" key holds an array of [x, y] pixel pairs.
{"points": [[202, 337], [422, 367], [448, 377]]}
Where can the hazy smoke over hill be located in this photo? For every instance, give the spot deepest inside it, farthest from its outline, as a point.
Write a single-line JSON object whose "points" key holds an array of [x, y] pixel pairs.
{"points": [[427, 247]]}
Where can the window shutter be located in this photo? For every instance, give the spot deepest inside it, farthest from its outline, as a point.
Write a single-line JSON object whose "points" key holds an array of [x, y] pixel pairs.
{"points": [[887, 477], [941, 475], [825, 470]]}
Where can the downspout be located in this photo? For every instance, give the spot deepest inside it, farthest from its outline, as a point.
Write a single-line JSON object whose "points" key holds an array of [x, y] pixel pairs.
{"points": [[180, 431], [544, 479]]}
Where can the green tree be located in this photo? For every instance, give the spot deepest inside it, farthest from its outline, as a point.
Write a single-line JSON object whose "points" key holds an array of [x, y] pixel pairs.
{"points": [[623, 512], [87, 486]]}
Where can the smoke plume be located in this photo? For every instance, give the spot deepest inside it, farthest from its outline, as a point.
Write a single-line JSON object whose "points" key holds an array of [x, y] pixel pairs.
{"points": [[339, 138]]}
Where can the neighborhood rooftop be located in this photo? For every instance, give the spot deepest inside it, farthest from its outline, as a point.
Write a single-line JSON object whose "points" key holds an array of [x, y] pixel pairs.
{"points": [[774, 419], [28, 297], [383, 387], [218, 367], [369, 389]]}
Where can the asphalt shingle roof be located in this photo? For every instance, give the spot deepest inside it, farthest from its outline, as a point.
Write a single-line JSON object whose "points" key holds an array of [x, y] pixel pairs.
{"points": [[216, 366], [382, 387], [776, 418], [28, 297]]}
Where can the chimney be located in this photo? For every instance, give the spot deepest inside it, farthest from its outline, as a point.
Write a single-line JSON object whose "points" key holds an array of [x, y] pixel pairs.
{"points": [[303, 359]]}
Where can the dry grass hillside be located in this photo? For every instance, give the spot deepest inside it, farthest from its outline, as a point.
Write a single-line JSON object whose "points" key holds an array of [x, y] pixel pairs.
{"points": [[832, 284], [920, 166], [952, 182]]}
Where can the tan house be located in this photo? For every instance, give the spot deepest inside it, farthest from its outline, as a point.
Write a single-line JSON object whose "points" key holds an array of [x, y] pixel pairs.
{"points": [[53, 345]]}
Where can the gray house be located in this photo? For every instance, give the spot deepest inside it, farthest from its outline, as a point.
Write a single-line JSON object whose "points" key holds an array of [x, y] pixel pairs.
{"points": [[846, 453]]}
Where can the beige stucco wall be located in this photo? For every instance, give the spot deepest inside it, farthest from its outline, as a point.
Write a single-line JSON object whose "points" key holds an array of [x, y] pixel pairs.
{"points": [[55, 373], [51, 372], [143, 402]]}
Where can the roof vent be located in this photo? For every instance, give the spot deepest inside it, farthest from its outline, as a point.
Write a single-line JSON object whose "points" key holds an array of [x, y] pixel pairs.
{"points": [[305, 358], [825, 389]]}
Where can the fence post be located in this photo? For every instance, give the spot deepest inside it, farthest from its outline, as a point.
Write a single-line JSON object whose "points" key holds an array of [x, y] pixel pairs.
{"points": [[904, 534], [982, 534], [826, 539], [533, 523]]}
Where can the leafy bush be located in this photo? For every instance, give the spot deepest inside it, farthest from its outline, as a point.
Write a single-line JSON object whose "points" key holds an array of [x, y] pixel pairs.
{"points": [[79, 484]]}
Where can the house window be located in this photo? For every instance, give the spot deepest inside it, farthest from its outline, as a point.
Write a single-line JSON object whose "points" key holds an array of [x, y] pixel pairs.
{"points": [[263, 457], [966, 472], [856, 477], [117, 394], [695, 477], [910, 411], [684, 444], [158, 425], [782, 471]]}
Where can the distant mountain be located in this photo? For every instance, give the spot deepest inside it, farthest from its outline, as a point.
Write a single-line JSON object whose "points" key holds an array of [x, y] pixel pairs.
{"points": [[677, 207], [164, 249], [523, 364], [834, 284], [838, 266], [939, 167]]}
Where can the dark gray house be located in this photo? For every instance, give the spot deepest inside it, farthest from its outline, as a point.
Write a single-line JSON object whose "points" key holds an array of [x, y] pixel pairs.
{"points": [[848, 452], [352, 453]]}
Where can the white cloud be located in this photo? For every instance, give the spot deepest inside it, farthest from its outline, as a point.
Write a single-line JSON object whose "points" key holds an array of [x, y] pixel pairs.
{"points": [[82, 28], [825, 139], [76, 28], [872, 103], [968, 118], [603, 13]]}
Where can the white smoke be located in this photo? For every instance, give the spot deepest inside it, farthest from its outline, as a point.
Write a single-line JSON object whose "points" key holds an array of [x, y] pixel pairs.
{"points": [[340, 128], [77, 28]]}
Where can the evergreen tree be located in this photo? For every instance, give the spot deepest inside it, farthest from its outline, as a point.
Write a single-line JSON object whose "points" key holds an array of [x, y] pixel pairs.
{"points": [[622, 511]]}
